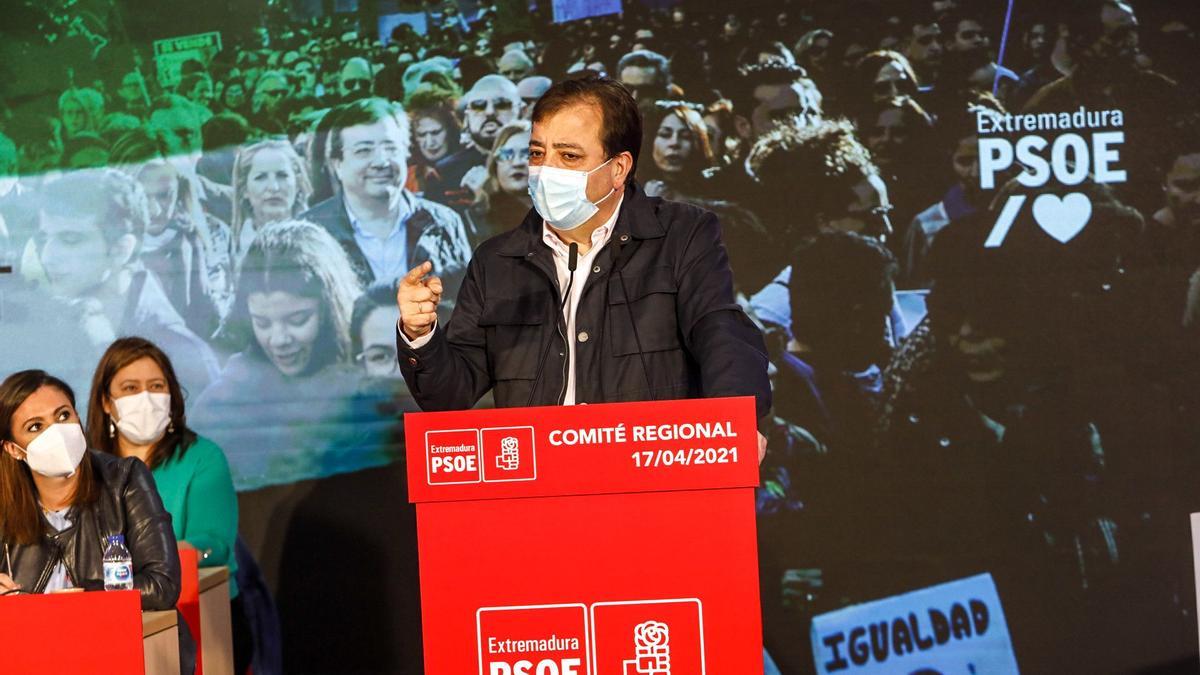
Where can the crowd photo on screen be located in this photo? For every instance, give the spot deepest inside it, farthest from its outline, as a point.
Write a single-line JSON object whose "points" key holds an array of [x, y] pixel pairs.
{"points": [[969, 230]]}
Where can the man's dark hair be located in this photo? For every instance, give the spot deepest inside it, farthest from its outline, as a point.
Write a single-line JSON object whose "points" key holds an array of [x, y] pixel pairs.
{"points": [[473, 68], [916, 14], [1185, 142], [826, 159], [741, 90], [377, 296], [950, 21], [838, 276], [360, 111], [297, 104], [961, 120], [188, 82], [1083, 20], [621, 121], [80, 142], [136, 146], [916, 118], [970, 279], [224, 130], [191, 67]]}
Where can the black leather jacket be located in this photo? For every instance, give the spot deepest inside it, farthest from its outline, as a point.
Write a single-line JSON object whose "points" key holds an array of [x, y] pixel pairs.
{"points": [[128, 504]]}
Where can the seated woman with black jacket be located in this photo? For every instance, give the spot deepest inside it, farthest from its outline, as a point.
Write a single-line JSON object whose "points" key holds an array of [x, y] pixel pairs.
{"points": [[59, 502]]}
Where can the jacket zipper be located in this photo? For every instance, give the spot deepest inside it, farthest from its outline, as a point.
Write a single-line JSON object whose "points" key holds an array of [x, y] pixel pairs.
{"points": [[560, 326], [566, 357], [44, 578]]}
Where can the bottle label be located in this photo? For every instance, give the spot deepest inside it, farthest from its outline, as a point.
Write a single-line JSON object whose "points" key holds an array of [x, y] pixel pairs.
{"points": [[118, 574]]}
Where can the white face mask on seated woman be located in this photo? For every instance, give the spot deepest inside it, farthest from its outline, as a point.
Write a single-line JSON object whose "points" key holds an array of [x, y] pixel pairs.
{"points": [[143, 417], [57, 451]]}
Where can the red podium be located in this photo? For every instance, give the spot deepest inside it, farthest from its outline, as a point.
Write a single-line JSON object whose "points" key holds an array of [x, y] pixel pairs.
{"points": [[84, 633], [613, 539]]}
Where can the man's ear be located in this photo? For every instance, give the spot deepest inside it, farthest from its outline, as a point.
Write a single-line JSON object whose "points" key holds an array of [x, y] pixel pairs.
{"points": [[622, 166], [122, 250]]}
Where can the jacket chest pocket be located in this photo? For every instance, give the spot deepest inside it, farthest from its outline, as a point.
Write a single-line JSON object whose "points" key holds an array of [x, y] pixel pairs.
{"points": [[516, 330], [646, 300]]}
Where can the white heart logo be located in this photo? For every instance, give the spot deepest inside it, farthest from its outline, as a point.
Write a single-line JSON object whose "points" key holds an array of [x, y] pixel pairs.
{"points": [[1062, 218]]}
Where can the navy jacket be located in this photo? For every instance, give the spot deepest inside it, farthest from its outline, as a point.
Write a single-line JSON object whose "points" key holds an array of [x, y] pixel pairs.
{"points": [[670, 309]]}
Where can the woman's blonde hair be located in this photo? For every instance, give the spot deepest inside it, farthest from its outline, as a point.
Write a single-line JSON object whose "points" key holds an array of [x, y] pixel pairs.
{"points": [[491, 186], [241, 176]]}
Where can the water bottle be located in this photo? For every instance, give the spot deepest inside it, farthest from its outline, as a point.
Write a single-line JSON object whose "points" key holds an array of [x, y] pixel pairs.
{"points": [[118, 565]]}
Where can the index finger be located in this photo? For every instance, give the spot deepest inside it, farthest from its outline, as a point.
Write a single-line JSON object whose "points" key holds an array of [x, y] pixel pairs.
{"points": [[414, 275]]}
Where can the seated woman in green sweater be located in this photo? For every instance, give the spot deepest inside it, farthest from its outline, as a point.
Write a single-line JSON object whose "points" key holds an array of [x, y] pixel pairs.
{"points": [[136, 410]]}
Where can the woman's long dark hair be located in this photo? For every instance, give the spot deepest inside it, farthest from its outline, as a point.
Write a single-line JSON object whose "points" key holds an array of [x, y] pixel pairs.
{"points": [[20, 521], [119, 354], [303, 259], [702, 152]]}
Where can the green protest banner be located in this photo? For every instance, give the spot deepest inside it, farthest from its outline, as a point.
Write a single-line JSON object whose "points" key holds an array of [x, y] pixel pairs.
{"points": [[171, 53]]}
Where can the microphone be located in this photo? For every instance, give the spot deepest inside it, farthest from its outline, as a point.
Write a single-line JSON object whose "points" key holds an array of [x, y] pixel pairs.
{"points": [[572, 263]]}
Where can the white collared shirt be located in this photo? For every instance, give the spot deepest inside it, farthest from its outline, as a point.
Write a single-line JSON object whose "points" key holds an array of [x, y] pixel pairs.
{"points": [[387, 256], [584, 267]]}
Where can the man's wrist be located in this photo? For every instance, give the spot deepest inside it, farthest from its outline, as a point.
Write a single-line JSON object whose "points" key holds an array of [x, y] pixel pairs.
{"points": [[410, 336], [415, 342]]}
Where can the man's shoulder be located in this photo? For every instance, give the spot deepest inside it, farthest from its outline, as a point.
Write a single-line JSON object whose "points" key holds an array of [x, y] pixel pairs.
{"points": [[682, 218], [689, 210], [509, 240], [442, 214], [325, 212], [1052, 97], [1154, 84]]}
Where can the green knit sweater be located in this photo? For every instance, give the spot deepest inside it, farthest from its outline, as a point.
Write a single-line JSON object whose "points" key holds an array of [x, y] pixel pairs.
{"points": [[197, 491]]}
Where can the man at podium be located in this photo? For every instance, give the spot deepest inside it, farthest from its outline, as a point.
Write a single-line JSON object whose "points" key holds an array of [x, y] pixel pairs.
{"points": [[601, 294]]}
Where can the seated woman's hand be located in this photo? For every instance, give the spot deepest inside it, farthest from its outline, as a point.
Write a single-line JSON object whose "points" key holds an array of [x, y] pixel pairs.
{"points": [[7, 585]]}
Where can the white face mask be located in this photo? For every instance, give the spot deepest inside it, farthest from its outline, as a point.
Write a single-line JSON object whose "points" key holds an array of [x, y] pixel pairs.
{"points": [[56, 453], [560, 195], [142, 418]]}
